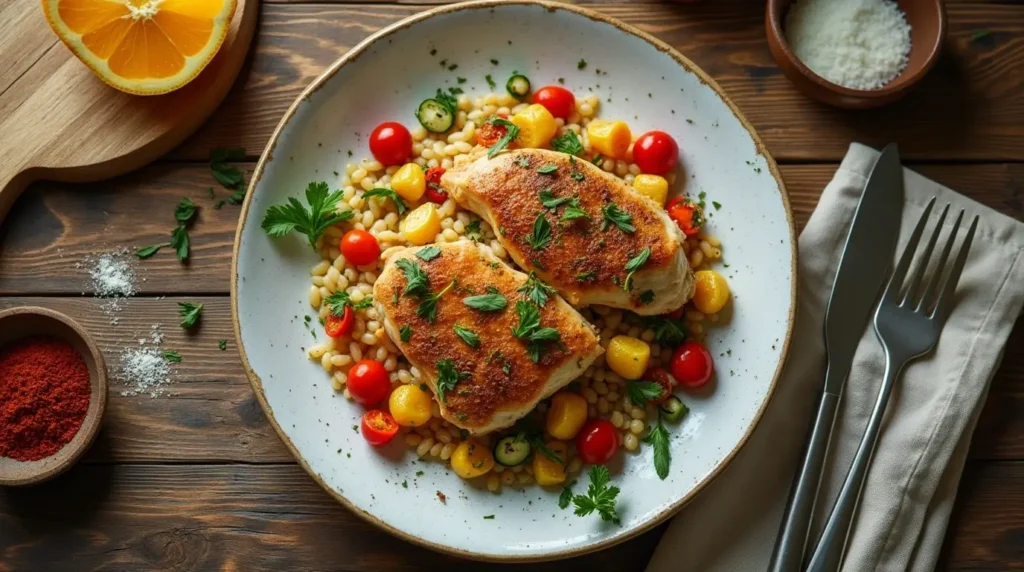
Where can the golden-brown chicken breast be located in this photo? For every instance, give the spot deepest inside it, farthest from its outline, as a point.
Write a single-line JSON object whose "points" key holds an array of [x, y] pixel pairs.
{"points": [[488, 351], [585, 232]]}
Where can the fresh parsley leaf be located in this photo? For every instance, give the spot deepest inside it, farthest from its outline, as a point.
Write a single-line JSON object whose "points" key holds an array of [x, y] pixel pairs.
{"points": [[172, 356], [190, 313], [148, 251], [340, 299], [428, 305], [547, 169], [185, 211], [646, 297], [448, 101], [612, 214], [180, 242], [473, 228], [493, 302], [489, 517], [490, 82], [537, 443], [577, 176], [634, 264], [586, 276], [417, 280], [550, 201], [523, 162], [223, 155], [536, 290], [447, 377], [641, 392], [597, 160], [405, 332], [568, 142], [529, 330], [388, 194], [222, 344], [469, 336], [574, 211], [229, 176], [541, 236], [428, 253], [717, 205], [512, 131], [582, 64], [600, 497], [282, 219], [667, 330], [566, 497], [217, 205], [658, 439]]}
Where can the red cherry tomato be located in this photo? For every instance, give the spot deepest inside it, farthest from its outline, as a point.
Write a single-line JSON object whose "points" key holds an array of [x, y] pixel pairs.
{"points": [[378, 427], [597, 442], [688, 215], [558, 100], [338, 326], [360, 247], [655, 152], [368, 382], [391, 143], [434, 192], [489, 133], [661, 377], [692, 364]]}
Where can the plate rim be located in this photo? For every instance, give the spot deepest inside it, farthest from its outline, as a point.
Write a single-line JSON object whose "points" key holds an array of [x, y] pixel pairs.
{"points": [[267, 155]]}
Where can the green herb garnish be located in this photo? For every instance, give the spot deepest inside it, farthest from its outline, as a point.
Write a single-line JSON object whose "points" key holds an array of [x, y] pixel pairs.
{"points": [[428, 305], [490, 82], [586, 276], [634, 264], [566, 497], [550, 201], [282, 219], [547, 169], [405, 332], [641, 392], [581, 64], [536, 290], [171, 356], [428, 253], [540, 238], [666, 329], [340, 299], [447, 377], [229, 176], [388, 194], [493, 302], [568, 142], [417, 280], [222, 344], [190, 313], [600, 497], [180, 242], [185, 211], [512, 131], [148, 251], [658, 439], [469, 336], [529, 330], [614, 215], [646, 297]]}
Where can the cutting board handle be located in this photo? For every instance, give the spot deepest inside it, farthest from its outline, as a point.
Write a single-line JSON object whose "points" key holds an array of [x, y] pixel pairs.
{"points": [[11, 185]]}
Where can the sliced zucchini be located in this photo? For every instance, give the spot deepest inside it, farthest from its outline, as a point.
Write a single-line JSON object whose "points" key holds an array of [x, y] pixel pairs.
{"points": [[512, 450], [673, 410], [435, 116], [518, 86]]}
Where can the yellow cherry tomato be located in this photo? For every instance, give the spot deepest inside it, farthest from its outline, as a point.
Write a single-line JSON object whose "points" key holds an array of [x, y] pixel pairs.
{"points": [[472, 459], [566, 415], [409, 182], [422, 224], [711, 292], [546, 471], [609, 138], [536, 126], [410, 405], [628, 356], [653, 187]]}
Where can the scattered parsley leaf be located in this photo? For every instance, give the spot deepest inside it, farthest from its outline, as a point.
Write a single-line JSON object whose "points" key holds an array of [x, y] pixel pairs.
{"points": [[541, 236], [229, 176], [658, 439], [646, 297], [980, 34], [600, 497], [388, 194], [417, 281], [536, 290], [428, 305], [568, 143], [489, 517], [548, 169], [282, 219], [550, 201], [578, 176], [490, 82], [597, 160], [185, 211], [529, 330], [190, 313], [512, 131], [148, 251], [634, 264], [172, 356], [614, 215], [405, 332], [717, 205], [217, 205], [586, 276], [449, 102], [493, 302], [180, 242], [428, 253], [340, 299], [574, 211], [474, 228], [447, 377], [566, 497], [222, 344], [666, 330], [641, 392], [469, 336], [523, 161], [581, 64]]}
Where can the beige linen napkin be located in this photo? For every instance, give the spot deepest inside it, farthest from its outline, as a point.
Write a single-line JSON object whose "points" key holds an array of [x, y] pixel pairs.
{"points": [[731, 526]]}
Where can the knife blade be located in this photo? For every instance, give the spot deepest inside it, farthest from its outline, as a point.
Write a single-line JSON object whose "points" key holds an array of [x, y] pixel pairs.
{"points": [[862, 270]]}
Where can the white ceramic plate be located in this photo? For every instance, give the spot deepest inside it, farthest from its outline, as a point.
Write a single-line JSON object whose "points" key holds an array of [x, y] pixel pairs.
{"points": [[641, 80]]}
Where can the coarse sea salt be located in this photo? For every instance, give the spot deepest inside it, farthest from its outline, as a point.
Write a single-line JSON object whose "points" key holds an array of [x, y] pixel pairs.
{"points": [[113, 278], [859, 44], [144, 369]]}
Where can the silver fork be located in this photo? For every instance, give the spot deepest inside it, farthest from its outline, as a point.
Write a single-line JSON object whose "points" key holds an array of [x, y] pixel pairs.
{"points": [[908, 323]]}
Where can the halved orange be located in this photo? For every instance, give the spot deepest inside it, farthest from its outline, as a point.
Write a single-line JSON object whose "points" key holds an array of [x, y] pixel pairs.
{"points": [[145, 47]]}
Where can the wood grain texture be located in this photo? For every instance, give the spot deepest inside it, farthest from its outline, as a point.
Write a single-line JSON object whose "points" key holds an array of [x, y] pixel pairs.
{"points": [[967, 108]]}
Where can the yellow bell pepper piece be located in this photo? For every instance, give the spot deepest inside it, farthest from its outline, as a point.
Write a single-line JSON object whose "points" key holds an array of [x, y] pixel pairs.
{"points": [[566, 415], [546, 471], [422, 224], [653, 187], [711, 292], [472, 459], [409, 182], [610, 138], [410, 405], [536, 126], [628, 356]]}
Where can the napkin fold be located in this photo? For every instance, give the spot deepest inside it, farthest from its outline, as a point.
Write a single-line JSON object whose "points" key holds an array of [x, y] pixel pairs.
{"points": [[731, 526]]}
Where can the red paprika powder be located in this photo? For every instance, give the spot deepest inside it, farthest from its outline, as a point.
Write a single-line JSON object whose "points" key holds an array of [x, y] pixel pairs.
{"points": [[44, 396]]}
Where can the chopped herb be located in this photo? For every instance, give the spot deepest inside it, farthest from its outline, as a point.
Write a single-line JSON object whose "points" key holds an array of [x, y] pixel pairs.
{"points": [[690, 121], [568, 142], [222, 344], [474, 228], [447, 377], [512, 131], [428, 305], [600, 497], [540, 238], [581, 64], [701, 196], [634, 264], [419, 473], [492, 302], [550, 201], [666, 330], [530, 330], [428, 253], [321, 215], [597, 160], [340, 299], [217, 205], [642, 392], [180, 242], [561, 80], [469, 336], [494, 62], [717, 205], [658, 438], [523, 162], [547, 169], [355, 428], [489, 517], [190, 313], [566, 497], [536, 290], [148, 251], [229, 176], [490, 82], [433, 51], [453, 67], [212, 193], [405, 332], [646, 297], [172, 356], [388, 194], [405, 484], [980, 34], [417, 280], [461, 80], [574, 211], [578, 176], [455, 90], [537, 263], [185, 211], [614, 215], [586, 276]]}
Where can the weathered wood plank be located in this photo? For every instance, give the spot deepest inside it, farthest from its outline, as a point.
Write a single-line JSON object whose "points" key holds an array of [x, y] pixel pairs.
{"points": [[977, 115], [986, 531]]}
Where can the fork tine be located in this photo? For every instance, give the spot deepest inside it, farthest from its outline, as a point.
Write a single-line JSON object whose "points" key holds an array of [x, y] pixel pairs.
{"points": [[922, 263], [945, 304], [928, 298], [892, 291]]}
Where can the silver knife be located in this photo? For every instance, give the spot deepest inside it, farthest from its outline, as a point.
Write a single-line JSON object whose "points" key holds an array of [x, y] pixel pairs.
{"points": [[861, 275]]}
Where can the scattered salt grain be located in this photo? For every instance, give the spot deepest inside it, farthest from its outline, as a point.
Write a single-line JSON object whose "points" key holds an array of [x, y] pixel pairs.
{"points": [[860, 44], [113, 275], [144, 369]]}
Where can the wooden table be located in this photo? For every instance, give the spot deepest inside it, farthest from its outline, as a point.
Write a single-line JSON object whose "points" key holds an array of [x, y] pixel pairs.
{"points": [[198, 480]]}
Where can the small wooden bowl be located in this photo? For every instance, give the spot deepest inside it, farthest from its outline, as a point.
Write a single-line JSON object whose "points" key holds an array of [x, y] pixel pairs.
{"points": [[927, 19], [25, 322]]}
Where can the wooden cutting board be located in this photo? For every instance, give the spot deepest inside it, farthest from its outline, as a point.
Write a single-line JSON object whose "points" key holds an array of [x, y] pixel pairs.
{"points": [[60, 122]]}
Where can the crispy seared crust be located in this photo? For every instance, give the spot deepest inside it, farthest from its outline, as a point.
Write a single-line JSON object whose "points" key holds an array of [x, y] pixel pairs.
{"points": [[584, 263], [490, 398]]}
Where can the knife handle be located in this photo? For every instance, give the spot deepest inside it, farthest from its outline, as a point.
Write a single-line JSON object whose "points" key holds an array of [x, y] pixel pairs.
{"points": [[788, 554]]}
